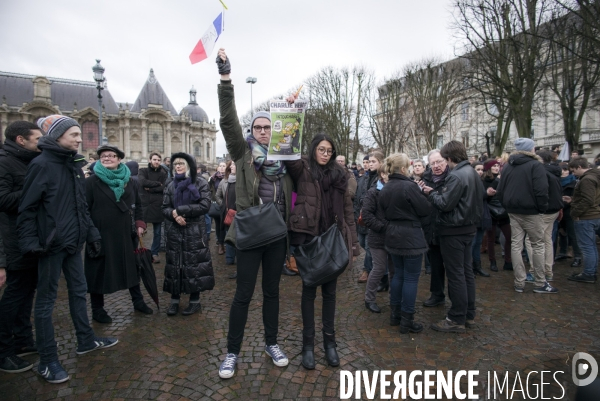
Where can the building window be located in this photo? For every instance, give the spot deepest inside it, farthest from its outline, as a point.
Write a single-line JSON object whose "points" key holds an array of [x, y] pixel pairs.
{"points": [[464, 111], [197, 149], [89, 135], [465, 138], [156, 140], [207, 150], [440, 141]]}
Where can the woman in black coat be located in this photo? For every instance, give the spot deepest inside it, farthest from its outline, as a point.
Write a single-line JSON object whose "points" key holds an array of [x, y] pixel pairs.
{"points": [[188, 269], [404, 207], [115, 208]]}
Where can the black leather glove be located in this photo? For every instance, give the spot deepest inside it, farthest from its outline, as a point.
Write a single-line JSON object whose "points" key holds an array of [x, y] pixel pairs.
{"points": [[224, 66], [184, 210], [93, 249]]}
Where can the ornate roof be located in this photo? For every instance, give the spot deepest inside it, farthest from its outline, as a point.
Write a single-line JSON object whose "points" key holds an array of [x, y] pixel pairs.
{"points": [[153, 94], [195, 112]]}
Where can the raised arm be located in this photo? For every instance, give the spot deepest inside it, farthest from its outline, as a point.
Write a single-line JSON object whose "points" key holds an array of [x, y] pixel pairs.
{"points": [[229, 122]]}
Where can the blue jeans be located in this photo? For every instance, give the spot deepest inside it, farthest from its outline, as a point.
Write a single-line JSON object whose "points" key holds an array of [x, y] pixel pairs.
{"points": [[476, 248], [585, 231], [49, 268], [403, 289], [229, 249], [157, 231], [207, 222], [362, 240]]}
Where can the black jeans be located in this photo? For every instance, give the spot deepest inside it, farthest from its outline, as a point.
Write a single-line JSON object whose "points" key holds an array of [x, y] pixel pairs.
{"points": [[220, 230], [458, 260], [97, 300], [309, 294], [271, 256], [15, 311], [438, 272]]}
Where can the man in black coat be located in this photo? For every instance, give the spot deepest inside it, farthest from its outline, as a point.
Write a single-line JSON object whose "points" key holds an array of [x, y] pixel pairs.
{"points": [[16, 335], [151, 181], [54, 224], [523, 191], [460, 207], [364, 183]]}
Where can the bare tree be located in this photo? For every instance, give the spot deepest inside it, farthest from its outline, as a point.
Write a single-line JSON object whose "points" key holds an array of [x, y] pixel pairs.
{"points": [[502, 40], [588, 12], [389, 116], [571, 75], [432, 92]]}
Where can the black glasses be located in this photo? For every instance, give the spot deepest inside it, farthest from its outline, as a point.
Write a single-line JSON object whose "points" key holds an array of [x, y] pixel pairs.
{"points": [[259, 128], [105, 156], [324, 151], [179, 164]]}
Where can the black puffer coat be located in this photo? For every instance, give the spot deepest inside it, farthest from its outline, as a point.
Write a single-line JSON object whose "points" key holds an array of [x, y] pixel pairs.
{"points": [[152, 182], [53, 213], [366, 182], [188, 268], [14, 160], [404, 206]]}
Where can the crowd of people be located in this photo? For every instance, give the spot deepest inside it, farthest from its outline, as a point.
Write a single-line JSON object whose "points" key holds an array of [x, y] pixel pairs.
{"points": [[437, 215]]}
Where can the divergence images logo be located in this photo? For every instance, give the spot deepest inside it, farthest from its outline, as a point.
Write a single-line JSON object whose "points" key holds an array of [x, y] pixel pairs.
{"points": [[590, 366]]}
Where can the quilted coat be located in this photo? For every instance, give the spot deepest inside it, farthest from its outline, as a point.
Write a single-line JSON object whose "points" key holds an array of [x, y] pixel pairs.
{"points": [[188, 267]]}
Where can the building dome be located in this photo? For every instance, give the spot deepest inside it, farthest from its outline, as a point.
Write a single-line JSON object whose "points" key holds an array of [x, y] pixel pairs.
{"points": [[195, 112]]}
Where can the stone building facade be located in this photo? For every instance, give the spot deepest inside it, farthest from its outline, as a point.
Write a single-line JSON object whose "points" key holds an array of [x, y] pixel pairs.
{"points": [[150, 124]]}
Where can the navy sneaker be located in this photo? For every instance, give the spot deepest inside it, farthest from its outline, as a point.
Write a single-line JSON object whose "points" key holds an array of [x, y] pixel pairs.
{"points": [[98, 343], [279, 358], [582, 278], [53, 372], [529, 278], [518, 289], [14, 364], [227, 368], [545, 289]]}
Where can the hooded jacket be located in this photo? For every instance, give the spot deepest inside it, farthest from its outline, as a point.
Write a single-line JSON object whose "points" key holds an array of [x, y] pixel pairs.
{"points": [[188, 266], [523, 187], [14, 160], [53, 212], [586, 196]]}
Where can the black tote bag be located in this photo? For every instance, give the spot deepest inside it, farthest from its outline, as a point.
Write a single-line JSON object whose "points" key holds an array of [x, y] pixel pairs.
{"points": [[258, 226], [322, 259]]}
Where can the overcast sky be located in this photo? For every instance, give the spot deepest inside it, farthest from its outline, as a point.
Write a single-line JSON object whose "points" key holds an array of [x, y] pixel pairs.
{"points": [[281, 43]]}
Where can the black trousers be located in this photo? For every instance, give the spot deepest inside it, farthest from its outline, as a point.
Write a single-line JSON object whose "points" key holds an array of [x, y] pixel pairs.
{"points": [[15, 311], [328, 290], [97, 300], [272, 257], [438, 272], [458, 260]]}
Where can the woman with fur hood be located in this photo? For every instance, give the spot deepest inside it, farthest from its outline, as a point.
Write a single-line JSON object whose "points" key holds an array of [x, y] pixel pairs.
{"points": [[188, 268]]}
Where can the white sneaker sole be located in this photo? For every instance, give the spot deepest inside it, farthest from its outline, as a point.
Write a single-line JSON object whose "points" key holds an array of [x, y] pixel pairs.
{"points": [[97, 348], [226, 375], [280, 364], [25, 369]]}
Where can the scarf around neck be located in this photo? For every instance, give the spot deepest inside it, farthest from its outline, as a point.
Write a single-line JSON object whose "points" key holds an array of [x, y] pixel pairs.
{"points": [[185, 191], [259, 155], [564, 181], [115, 179], [441, 177]]}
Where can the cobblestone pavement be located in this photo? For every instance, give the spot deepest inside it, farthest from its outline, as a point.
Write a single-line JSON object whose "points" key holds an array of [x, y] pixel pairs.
{"points": [[175, 358]]}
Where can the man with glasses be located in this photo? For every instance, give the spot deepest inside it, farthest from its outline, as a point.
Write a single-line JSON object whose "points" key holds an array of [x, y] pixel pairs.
{"points": [[151, 181], [54, 224]]}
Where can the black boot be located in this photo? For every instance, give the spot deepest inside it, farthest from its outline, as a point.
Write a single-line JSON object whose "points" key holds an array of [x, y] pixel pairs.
{"points": [[101, 316], [493, 266], [308, 352], [384, 284], [477, 270], [407, 323], [173, 309], [330, 352], [395, 315]]}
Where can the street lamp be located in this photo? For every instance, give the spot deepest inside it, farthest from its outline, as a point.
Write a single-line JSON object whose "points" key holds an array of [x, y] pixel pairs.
{"points": [[251, 81], [100, 81]]}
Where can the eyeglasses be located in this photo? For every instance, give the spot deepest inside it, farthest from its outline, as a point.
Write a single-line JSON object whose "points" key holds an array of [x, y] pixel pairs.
{"points": [[105, 156], [437, 163], [259, 128], [324, 151], [179, 164]]}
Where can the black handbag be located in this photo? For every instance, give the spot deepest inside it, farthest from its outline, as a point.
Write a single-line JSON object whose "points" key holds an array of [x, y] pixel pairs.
{"points": [[258, 226], [322, 259], [214, 211], [497, 211]]}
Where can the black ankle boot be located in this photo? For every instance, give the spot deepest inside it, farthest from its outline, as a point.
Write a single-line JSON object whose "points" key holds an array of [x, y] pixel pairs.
{"points": [[477, 270], [330, 352], [173, 309], [101, 316], [493, 266], [308, 352], [395, 315], [384, 284], [407, 324]]}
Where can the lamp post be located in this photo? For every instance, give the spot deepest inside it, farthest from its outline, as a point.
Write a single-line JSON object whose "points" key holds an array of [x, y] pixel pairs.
{"points": [[251, 81], [100, 81]]}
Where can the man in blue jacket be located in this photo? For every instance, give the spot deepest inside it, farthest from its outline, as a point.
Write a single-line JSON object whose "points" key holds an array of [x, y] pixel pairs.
{"points": [[54, 224]]}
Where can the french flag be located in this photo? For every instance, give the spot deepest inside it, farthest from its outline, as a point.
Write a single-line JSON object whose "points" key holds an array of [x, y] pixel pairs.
{"points": [[206, 44]]}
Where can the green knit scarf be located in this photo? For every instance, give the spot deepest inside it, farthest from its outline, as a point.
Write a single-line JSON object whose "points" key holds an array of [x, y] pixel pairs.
{"points": [[115, 179]]}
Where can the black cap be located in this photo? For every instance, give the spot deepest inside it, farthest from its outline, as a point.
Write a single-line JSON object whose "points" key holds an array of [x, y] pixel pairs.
{"points": [[105, 148]]}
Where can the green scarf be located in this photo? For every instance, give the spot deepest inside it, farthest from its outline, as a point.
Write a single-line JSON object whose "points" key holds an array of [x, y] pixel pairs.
{"points": [[115, 179], [259, 155]]}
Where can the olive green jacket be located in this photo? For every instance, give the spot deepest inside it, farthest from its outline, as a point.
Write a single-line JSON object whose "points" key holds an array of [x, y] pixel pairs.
{"points": [[247, 178]]}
